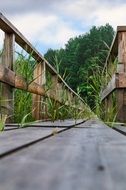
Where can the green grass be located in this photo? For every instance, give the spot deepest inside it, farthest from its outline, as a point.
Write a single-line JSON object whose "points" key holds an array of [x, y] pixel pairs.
{"points": [[24, 66], [97, 82]]}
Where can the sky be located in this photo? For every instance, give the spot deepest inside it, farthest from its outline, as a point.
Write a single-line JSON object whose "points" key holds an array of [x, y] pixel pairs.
{"points": [[51, 23]]}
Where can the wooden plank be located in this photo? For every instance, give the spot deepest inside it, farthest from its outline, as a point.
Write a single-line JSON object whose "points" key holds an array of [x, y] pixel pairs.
{"points": [[114, 46], [9, 77], [53, 88], [118, 81], [40, 78], [8, 61], [109, 89], [120, 128], [15, 139], [83, 158], [122, 49], [121, 116], [11, 140], [121, 28], [60, 91], [120, 105], [58, 123], [121, 80]]}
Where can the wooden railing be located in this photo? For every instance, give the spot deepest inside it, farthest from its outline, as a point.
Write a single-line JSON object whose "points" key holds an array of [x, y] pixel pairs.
{"points": [[115, 76], [11, 80]]}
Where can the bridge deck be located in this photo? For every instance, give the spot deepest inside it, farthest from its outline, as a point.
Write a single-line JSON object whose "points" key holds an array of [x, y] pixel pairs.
{"points": [[86, 157]]}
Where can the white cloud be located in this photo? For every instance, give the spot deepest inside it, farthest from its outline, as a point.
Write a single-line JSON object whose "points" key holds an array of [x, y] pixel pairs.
{"points": [[114, 15], [96, 12], [41, 29], [51, 23]]}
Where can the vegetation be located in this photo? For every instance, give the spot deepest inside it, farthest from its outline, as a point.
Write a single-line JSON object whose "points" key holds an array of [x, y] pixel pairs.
{"points": [[24, 66], [81, 57], [80, 63]]}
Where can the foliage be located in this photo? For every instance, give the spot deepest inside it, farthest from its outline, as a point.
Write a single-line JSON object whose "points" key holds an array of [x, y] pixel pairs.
{"points": [[24, 67], [82, 56], [80, 64]]}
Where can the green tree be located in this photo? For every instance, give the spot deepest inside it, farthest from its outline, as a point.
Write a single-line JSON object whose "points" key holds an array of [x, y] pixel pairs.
{"points": [[82, 56]]}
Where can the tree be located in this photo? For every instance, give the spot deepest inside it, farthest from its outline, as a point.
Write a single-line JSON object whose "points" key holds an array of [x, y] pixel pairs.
{"points": [[82, 56]]}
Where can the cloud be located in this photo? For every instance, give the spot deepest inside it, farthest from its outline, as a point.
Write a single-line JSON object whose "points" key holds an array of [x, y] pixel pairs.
{"points": [[40, 30], [96, 12], [15, 6], [51, 23], [114, 16]]}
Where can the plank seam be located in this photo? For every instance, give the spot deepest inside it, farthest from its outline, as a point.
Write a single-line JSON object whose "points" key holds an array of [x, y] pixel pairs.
{"points": [[17, 149]]}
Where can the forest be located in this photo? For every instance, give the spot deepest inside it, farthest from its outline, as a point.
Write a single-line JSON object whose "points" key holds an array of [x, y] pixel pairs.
{"points": [[81, 61]]}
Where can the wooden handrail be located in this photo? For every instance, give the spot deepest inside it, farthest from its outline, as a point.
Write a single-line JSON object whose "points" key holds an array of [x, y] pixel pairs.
{"points": [[114, 46], [8, 27]]}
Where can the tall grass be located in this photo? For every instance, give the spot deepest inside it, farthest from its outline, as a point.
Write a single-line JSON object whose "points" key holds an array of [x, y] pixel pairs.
{"points": [[97, 82], [24, 66]]}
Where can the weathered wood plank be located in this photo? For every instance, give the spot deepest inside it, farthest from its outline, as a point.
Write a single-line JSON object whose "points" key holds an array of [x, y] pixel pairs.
{"points": [[121, 28], [120, 105], [57, 123], [109, 88], [8, 60], [8, 76], [122, 49], [40, 78], [121, 80], [118, 81], [114, 46], [81, 158], [14, 139]]}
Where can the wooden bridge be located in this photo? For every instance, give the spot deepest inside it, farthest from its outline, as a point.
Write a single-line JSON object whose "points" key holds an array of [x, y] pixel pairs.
{"points": [[82, 154]]}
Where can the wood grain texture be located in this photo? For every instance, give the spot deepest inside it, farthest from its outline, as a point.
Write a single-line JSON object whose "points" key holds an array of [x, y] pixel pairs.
{"points": [[89, 157], [109, 88], [118, 81], [121, 80], [8, 61], [11, 140], [122, 49], [9, 77], [40, 79]]}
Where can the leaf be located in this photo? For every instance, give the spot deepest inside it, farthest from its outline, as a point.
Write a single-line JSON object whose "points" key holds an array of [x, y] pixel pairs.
{"points": [[2, 122], [23, 123]]}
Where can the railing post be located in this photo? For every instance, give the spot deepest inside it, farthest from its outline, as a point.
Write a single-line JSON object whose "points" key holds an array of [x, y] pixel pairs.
{"points": [[120, 93], [40, 78], [8, 61], [59, 91], [53, 90]]}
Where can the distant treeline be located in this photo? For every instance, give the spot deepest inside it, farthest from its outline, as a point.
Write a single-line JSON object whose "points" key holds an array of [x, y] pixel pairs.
{"points": [[81, 58]]}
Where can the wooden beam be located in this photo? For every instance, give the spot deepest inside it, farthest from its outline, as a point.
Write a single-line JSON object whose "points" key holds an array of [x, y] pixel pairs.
{"points": [[40, 79], [9, 77], [121, 28], [109, 88], [122, 49], [8, 60], [121, 80], [120, 105], [114, 45], [53, 88], [118, 81]]}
